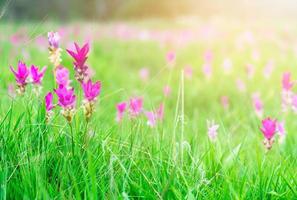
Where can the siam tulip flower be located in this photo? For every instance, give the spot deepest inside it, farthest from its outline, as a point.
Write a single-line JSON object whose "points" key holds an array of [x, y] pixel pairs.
{"points": [[11, 91], [144, 74], [170, 58], [240, 85], [36, 75], [258, 105], [62, 77], [80, 57], [280, 126], [207, 70], [135, 106], [21, 76], [49, 105], [208, 56], [212, 130], [269, 128], [268, 69], [287, 94], [91, 92], [227, 66], [54, 50], [121, 107], [160, 112], [250, 70], [166, 90], [225, 102], [188, 70], [66, 100], [151, 117]]}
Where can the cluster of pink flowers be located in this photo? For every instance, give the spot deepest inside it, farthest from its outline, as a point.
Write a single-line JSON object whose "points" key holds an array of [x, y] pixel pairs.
{"points": [[24, 75], [135, 109]]}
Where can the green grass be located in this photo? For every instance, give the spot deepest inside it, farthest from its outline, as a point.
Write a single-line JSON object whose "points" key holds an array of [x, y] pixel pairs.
{"points": [[174, 160]]}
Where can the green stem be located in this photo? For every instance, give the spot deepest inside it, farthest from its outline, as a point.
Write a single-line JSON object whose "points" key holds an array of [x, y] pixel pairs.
{"points": [[72, 139]]}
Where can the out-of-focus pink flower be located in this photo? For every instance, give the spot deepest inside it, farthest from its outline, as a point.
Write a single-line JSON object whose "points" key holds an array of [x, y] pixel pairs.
{"points": [[166, 90], [53, 39], [240, 85], [280, 126], [225, 102], [144, 74], [268, 69], [91, 91], [80, 57], [212, 130], [135, 106], [188, 70], [37, 75], [268, 129], [121, 107], [208, 56], [250, 70], [294, 103], [11, 91], [170, 57], [66, 97], [286, 81], [160, 112], [227, 65], [258, 105], [151, 117], [49, 102], [62, 77], [207, 70]]}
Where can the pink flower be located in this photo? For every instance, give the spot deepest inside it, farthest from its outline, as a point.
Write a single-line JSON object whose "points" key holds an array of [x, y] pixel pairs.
{"points": [[135, 106], [53, 39], [62, 77], [240, 85], [151, 117], [250, 70], [160, 112], [21, 74], [212, 130], [280, 126], [49, 102], [170, 57], [225, 102], [166, 90], [286, 81], [91, 91], [294, 103], [66, 97], [207, 70], [188, 70], [80, 57], [268, 128], [144, 74], [121, 107], [36, 75], [258, 105], [11, 91], [208, 56]]}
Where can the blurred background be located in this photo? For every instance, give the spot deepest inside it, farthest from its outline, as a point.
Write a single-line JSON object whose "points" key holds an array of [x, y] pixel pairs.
{"points": [[131, 9]]}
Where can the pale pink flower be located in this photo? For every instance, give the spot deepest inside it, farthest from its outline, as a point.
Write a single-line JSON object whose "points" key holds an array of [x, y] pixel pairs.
{"points": [[160, 112], [294, 103], [207, 70], [212, 130], [151, 117], [208, 56], [166, 90], [11, 91], [240, 85], [268, 69], [53, 39], [280, 126], [188, 71], [258, 105], [135, 106], [170, 58], [144, 74], [250, 70], [286, 81], [62, 77], [225, 102]]}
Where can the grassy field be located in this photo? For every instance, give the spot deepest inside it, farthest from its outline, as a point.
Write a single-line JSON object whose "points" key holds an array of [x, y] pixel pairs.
{"points": [[175, 159]]}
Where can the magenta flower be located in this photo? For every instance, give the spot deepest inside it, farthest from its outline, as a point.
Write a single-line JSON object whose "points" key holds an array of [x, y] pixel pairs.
{"points": [[36, 75], [121, 107], [269, 128], [62, 77], [49, 102], [170, 57], [91, 91], [21, 74], [66, 97], [53, 39], [135, 106], [286, 81], [80, 57]]}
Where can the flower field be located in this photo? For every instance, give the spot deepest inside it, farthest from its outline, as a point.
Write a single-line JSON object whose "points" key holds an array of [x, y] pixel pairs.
{"points": [[148, 110]]}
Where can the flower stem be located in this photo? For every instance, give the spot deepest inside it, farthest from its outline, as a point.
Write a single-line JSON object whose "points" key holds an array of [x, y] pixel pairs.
{"points": [[72, 139]]}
